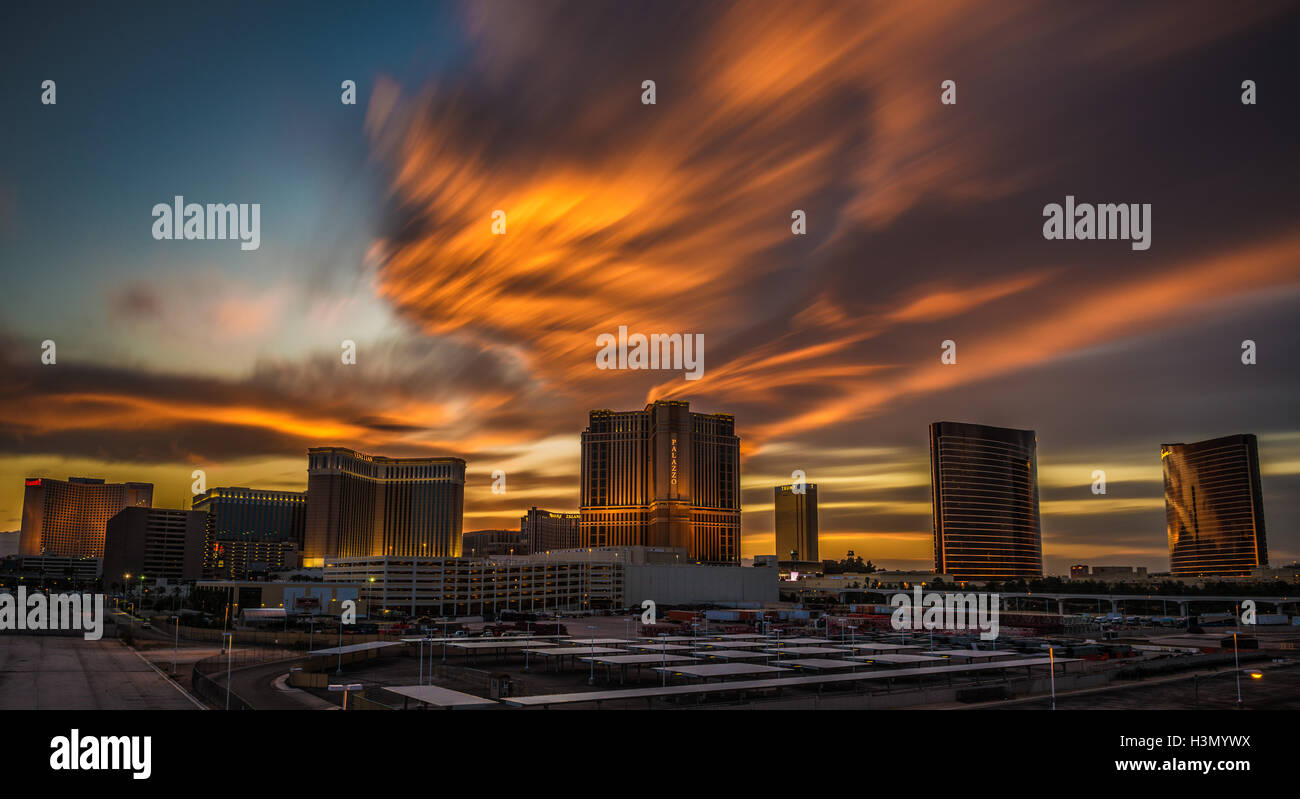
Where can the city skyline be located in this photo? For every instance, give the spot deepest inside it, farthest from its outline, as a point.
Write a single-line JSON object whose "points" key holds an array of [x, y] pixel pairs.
{"points": [[964, 435], [924, 225]]}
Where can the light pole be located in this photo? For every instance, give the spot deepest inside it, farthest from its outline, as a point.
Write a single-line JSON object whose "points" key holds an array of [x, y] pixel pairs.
{"points": [[176, 645], [663, 657], [591, 680], [230, 649], [1051, 657], [130, 614], [1236, 662], [1254, 674], [340, 668]]}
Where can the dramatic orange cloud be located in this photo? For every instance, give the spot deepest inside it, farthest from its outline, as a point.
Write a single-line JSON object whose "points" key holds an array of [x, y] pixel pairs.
{"points": [[923, 225]]}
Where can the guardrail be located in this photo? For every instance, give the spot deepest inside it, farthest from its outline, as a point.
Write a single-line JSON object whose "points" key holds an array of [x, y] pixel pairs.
{"points": [[325, 636], [209, 675]]}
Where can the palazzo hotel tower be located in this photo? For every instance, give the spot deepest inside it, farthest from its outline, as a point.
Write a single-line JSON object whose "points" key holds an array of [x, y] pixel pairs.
{"points": [[662, 477]]}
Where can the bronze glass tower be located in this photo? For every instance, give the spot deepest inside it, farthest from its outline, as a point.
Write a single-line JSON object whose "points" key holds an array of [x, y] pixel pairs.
{"points": [[662, 477], [984, 486], [1214, 507], [369, 506], [796, 523], [71, 517]]}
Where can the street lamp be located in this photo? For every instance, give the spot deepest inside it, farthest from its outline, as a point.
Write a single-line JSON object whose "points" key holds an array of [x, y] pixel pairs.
{"points": [[1236, 662], [1254, 674], [370, 596], [176, 645], [663, 657], [127, 585], [230, 648], [1051, 657], [340, 668]]}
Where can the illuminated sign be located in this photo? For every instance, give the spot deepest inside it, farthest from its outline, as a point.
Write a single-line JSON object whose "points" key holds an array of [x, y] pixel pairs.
{"points": [[34, 482], [673, 475]]}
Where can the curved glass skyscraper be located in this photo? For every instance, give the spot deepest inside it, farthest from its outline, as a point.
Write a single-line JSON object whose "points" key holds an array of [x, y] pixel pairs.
{"points": [[1214, 507], [984, 486]]}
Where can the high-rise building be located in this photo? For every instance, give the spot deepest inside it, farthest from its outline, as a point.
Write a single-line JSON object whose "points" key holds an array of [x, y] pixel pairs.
{"points": [[70, 517], [251, 530], [154, 543], [244, 559], [546, 530], [796, 523], [370, 506], [662, 477], [1214, 507], [487, 543], [984, 487]]}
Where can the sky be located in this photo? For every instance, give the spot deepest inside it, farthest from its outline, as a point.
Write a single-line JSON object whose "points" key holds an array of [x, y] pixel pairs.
{"points": [[924, 224]]}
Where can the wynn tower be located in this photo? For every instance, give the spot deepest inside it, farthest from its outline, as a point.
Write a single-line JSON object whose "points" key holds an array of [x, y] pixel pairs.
{"points": [[984, 486]]}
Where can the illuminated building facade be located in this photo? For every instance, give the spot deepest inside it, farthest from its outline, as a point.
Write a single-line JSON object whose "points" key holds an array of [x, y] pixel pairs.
{"points": [[1214, 507], [362, 505], [545, 530], [796, 523], [70, 517], [984, 490], [251, 530], [242, 559], [662, 477], [583, 579]]}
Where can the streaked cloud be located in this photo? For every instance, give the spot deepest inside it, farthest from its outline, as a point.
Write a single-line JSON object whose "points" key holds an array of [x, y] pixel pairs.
{"points": [[923, 225]]}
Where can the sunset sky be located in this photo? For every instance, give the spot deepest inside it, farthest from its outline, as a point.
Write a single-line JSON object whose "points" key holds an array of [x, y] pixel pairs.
{"points": [[924, 224]]}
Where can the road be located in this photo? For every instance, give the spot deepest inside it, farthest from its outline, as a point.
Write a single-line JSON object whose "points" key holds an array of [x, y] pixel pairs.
{"points": [[60, 672], [256, 684]]}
